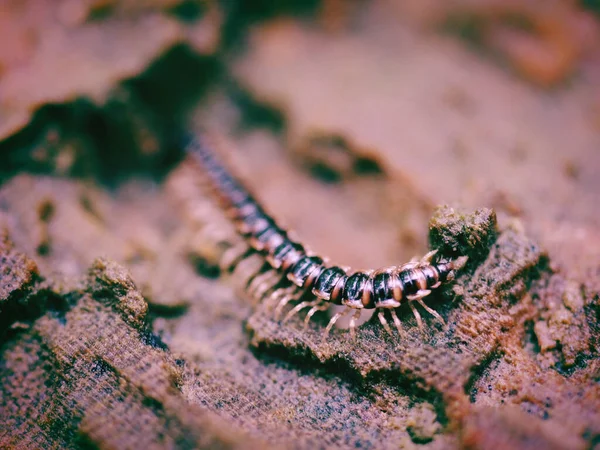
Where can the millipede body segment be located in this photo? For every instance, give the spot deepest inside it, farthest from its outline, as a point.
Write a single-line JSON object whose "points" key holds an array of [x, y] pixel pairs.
{"points": [[308, 275]]}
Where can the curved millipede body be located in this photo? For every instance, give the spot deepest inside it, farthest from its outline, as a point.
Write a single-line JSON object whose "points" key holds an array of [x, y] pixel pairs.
{"points": [[291, 271]]}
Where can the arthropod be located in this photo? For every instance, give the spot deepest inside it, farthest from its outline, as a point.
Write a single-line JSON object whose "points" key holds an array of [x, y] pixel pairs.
{"points": [[292, 273]]}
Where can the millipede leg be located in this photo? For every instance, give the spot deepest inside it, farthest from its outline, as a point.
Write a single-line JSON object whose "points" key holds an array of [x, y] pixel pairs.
{"points": [[232, 256], [262, 295], [431, 311], [333, 320], [384, 322], [270, 300], [245, 271], [396, 321], [414, 262], [210, 230], [267, 303], [428, 257], [275, 296], [419, 295], [313, 310], [258, 271], [256, 280], [262, 283], [266, 287], [284, 301], [353, 320], [417, 315], [299, 307]]}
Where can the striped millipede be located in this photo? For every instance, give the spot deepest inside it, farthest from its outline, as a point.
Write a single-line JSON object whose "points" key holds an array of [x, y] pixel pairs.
{"points": [[292, 273]]}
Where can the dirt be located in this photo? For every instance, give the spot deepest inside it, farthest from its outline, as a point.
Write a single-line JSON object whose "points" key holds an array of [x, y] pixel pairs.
{"points": [[373, 132]]}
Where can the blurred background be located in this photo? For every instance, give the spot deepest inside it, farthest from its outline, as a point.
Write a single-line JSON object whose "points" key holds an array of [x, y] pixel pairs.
{"points": [[468, 103], [351, 121]]}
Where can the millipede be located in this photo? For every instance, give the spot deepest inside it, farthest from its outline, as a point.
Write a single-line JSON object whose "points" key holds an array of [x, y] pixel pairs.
{"points": [[292, 273]]}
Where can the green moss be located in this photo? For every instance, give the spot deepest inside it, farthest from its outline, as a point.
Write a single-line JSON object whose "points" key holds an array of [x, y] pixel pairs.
{"points": [[458, 234]]}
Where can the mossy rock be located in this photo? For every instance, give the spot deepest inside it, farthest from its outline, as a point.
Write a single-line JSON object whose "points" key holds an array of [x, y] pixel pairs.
{"points": [[456, 233]]}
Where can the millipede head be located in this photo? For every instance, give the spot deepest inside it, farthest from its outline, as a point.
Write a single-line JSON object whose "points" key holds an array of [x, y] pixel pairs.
{"points": [[447, 270]]}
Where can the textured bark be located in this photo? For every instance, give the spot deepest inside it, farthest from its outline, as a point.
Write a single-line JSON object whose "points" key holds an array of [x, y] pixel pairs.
{"points": [[117, 329], [87, 371]]}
